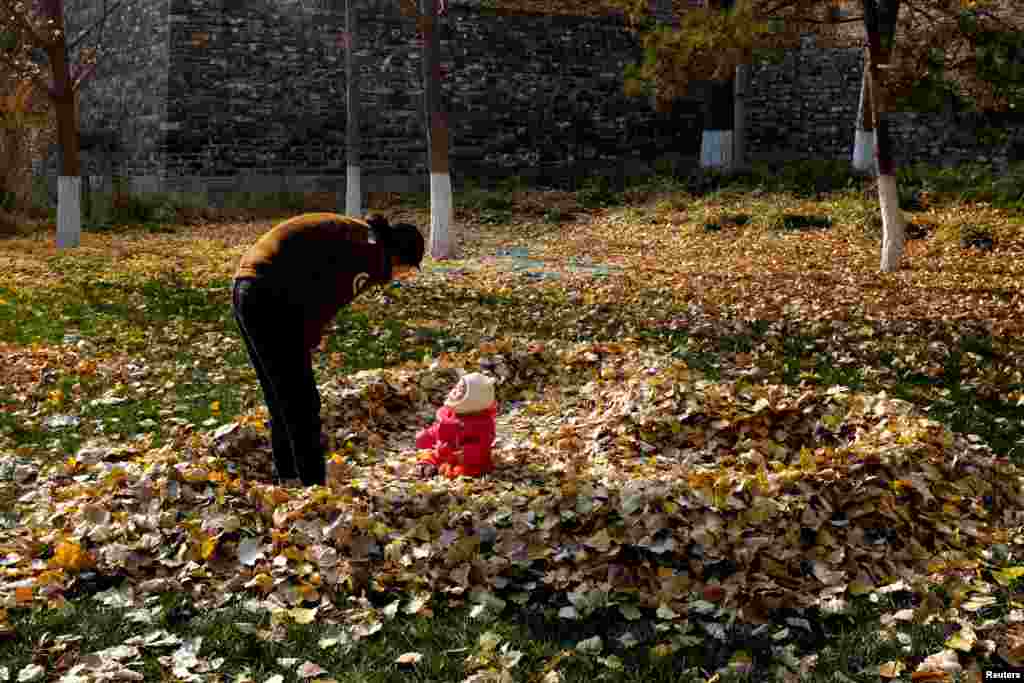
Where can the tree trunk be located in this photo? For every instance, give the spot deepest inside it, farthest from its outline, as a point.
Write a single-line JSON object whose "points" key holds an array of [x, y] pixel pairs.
{"points": [[441, 242], [893, 227], [739, 147], [716, 146], [353, 191], [69, 209], [864, 138]]}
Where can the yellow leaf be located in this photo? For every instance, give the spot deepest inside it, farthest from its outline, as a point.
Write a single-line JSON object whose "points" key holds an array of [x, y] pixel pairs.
{"points": [[208, 547], [963, 640], [50, 576], [70, 555], [1006, 576], [662, 650], [262, 581], [891, 669], [302, 615]]}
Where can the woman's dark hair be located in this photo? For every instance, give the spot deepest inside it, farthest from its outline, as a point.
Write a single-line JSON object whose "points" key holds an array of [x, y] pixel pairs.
{"points": [[401, 239]]}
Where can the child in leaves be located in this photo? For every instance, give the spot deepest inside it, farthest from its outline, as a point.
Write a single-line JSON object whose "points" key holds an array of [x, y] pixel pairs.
{"points": [[462, 436]]}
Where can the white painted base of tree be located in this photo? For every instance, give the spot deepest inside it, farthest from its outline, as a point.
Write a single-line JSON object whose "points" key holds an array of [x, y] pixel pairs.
{"points": [[864, 151], [353, 194], [442, 243], [893, 225], [716, 149], [69, 211]]}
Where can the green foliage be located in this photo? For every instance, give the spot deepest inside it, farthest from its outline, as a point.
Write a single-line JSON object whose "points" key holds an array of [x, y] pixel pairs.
{"points": [[933, 91], [511, 184], [806, 178], [1000, 57], [673, 58], [8, 40], [493, 208], [136, 209], [597, 192], [710, 42], [973, 182], [991, 137], [664, 167]]}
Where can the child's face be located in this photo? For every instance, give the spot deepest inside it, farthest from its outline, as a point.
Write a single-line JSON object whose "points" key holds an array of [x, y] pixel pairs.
{"points": [[458, 392]]}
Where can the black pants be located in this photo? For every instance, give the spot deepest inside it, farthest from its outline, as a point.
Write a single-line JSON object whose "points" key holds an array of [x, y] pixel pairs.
{"points": [[273, 332]]}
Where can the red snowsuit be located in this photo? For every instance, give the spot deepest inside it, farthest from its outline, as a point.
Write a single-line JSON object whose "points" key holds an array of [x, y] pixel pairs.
{"points": [[461, 443]]}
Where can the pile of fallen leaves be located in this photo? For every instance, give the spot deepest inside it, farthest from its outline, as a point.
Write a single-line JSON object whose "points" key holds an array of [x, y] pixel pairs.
{"points": [[620, 473]]}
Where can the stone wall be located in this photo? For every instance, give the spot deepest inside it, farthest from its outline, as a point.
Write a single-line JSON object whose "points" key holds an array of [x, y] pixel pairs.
{"points": [[806, 108], [125, 102], [249, 95]]}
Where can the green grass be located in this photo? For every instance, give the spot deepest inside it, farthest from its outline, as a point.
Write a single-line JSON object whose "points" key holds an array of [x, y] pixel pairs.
{"points": [[849, 643]]}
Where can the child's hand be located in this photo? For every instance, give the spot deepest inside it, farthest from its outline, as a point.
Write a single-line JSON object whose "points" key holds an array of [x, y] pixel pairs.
{"points": [[452, 471]]}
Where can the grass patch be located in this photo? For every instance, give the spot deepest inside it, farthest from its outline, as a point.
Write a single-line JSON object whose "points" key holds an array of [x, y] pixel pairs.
{"points": [[452, 642]]}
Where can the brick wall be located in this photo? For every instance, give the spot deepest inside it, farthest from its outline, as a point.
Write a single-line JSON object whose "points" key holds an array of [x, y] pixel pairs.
{"points": [[806, 107], [228, 95], [250, 94]]}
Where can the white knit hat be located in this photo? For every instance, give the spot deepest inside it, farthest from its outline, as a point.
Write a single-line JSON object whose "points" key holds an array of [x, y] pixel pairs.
{"points": [[473, 393]]}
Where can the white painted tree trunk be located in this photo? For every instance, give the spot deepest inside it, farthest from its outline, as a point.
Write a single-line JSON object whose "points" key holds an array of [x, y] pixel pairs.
{"points": [[69, 211], [893, 225], [864, 151], [864, 138], [441, 244], [716, 149], [353, 193], [879, 16]]}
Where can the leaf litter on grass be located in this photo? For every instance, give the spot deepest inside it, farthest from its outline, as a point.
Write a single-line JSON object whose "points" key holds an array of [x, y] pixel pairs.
{"points": [[625, 478], [625, 474]]}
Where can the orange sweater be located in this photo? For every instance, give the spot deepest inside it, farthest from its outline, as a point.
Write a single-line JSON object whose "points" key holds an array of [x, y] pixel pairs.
{"points": [[316, 263]]}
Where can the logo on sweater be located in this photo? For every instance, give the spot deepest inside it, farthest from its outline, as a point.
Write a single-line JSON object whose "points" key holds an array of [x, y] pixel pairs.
{"points": [[359, 283]]}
